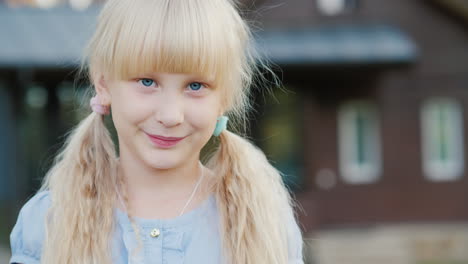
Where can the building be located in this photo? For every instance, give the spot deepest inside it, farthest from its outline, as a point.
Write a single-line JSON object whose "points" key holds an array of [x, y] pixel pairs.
{"points": [[376, 125]]}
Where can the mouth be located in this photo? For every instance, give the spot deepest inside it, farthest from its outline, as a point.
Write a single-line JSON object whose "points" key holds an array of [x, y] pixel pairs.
{"points": [[164, 142]]}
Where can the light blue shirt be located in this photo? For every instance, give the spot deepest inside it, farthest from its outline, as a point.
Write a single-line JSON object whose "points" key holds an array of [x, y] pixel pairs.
{"points": [[191, 238]]}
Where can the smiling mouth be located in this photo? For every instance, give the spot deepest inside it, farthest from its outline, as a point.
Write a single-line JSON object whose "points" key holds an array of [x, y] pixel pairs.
{"points": [[164, 142]]}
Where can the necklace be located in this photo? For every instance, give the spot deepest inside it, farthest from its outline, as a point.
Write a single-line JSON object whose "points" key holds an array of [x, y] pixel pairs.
{"points": [[124, 205], [194, 190]]}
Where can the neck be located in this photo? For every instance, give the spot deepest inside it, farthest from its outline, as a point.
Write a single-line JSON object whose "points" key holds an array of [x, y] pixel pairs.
{"points": [[162, 193], [143, 180]]}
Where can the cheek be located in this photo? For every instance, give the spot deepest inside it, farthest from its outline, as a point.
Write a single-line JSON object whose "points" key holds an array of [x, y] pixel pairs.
{"points": [[129, 108], [203, 114]]}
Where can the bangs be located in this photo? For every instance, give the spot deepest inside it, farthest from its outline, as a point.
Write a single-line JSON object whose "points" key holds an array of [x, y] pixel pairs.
{"points": [[175, 36]]}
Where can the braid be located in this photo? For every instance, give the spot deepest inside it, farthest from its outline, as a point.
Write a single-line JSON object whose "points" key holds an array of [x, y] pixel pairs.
{"points": [[123, 194]]}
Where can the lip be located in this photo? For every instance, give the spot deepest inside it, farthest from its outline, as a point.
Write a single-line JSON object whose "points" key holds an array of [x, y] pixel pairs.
{"points": [[164, 142]]}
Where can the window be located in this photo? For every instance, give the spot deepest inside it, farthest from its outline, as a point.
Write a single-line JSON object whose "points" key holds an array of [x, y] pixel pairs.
{"points": [[36, 97], [336, 7], [359, 142], [279, 132], [442, 139]]}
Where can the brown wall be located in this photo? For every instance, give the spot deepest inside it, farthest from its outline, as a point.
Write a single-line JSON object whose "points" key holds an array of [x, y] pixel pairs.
{"points": [[402, 194]]}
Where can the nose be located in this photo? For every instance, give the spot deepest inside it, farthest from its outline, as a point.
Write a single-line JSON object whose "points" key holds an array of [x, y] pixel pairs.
{"points": [[170, 112]]}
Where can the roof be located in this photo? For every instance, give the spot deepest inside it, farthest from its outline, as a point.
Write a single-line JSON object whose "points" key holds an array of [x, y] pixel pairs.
{"points": [[56, 38]]}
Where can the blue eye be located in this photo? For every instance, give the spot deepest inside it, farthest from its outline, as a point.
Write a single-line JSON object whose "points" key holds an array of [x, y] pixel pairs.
{"points": [[195, 86], [146, 82]]}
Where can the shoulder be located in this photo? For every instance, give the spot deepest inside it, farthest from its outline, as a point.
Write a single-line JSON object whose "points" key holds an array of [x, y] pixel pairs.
{"points": [[37, 205], [27, 236], [295, 241]]}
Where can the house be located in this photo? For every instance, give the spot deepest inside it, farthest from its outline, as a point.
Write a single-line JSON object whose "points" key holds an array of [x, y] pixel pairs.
{"points": [[370, 133], [375, 122]]}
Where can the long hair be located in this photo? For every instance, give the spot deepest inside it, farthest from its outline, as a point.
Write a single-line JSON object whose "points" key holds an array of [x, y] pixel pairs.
{"points": [[207, 37]]}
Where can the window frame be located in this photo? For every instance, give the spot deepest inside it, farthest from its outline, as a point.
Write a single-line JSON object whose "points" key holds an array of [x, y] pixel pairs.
{"points": [[434, 169], [338, 7], [350, 171]]}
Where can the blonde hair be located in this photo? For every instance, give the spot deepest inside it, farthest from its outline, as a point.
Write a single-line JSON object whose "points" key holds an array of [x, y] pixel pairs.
{"points": [[207, 37]]}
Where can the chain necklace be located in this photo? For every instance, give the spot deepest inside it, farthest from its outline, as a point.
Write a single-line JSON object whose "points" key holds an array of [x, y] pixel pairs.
{"points": [[189, 199], [194, 189]]}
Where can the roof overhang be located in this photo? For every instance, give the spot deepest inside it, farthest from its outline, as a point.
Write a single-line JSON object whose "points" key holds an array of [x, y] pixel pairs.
{"points": [[44, 38], [338, 45]]}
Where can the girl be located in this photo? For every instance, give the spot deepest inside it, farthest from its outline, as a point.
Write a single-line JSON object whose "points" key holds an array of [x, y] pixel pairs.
{"points": [[170, 71]]}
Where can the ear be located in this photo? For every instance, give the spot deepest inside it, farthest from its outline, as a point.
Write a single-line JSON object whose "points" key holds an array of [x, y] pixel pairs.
{"points": [[102, 89]]}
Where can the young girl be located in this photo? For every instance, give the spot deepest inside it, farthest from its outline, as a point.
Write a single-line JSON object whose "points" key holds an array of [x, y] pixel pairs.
{"points": [[170, 71]]}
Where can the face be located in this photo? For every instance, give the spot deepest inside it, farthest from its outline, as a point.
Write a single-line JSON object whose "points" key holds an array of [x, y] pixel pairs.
{"points": [[162, 119]]}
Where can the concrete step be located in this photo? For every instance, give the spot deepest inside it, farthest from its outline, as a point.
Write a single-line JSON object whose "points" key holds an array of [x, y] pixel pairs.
{"points": [[390, 244]]}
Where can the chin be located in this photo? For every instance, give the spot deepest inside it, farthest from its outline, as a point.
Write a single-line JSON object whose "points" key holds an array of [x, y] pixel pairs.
{"points": [[162, 162]]}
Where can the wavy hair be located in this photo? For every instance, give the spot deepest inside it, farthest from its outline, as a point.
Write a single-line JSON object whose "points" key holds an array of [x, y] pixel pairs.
{"points": [[207, 37]]}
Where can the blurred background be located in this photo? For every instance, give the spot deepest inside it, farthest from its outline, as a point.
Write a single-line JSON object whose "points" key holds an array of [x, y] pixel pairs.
{"points": [[369, 130]]}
